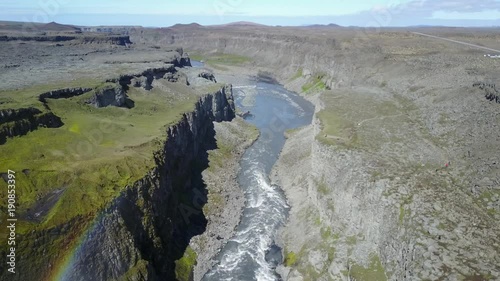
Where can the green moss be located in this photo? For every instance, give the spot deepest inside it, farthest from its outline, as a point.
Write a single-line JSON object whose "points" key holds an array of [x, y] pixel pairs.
{"points": [[290, 259], [374, 272], [196, 56], [326, 233], [219, 60], [322, 187], [331, 253], [219, 158], [443, 119], [96, 154], [229, 59], [28, 97], [401, 214], [478, 277], [336, 129], [137, 272], [79, 158], [298, 74], [351, 240], [314, 84], [317, 220], [184, 266], [291, 132]]}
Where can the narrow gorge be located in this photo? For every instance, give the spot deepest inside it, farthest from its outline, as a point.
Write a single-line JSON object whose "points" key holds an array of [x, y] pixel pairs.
{"points": [[249, 152]]}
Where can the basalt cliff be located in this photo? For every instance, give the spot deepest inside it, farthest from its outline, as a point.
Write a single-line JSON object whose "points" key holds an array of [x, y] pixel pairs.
{"points": [[395, 179]]}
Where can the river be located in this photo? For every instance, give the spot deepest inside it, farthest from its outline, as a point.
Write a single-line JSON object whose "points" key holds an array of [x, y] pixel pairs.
{"points": [[251, 253]]}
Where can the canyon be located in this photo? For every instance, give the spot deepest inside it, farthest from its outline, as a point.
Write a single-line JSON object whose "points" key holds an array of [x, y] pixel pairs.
{"points": [[128, 157], [395, 179]]}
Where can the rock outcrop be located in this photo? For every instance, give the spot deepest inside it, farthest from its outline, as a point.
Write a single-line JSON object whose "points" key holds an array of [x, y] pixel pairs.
{"points": [[145, 79], [113, 40], [108, 96], [19, 122], [208, 76], [63, 93], [9, 115], [490, 91]]}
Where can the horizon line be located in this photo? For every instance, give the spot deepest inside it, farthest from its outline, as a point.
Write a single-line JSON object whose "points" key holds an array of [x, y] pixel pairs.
{"points": [[234, 23]]}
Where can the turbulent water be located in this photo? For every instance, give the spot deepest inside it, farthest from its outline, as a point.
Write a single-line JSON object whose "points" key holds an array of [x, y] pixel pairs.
{"points": [[251, 254]]}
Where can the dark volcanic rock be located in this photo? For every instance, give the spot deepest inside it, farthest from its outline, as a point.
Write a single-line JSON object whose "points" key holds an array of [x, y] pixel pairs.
{"points": [[490, 91], [31, 123], [208, 76], [63, 93], [9, 115], [145, 79], [109, 96], [120, 40]]}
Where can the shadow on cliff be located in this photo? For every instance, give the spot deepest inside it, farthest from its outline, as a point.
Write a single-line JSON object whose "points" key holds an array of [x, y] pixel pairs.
{"points": [[167, 226], [149, 226]]}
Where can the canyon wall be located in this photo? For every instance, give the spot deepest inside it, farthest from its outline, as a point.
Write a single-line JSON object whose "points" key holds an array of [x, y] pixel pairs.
{"points": [[373, 195], [148, 227]]}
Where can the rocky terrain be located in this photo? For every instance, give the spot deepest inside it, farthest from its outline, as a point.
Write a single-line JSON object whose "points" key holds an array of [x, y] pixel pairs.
{"points": [[396, 179], [118, 159]]}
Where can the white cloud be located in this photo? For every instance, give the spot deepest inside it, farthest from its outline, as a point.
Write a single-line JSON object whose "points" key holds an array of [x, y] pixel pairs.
{"points": [[428, 7], [484, 15]]}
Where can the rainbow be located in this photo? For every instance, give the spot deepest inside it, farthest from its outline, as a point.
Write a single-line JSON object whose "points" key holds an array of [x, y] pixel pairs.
{"points": [[62, 269]]}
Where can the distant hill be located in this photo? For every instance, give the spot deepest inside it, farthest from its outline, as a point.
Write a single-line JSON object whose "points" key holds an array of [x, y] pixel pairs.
{"points": [[241, 23], [324, 25], [194, 24], [54, 26]]}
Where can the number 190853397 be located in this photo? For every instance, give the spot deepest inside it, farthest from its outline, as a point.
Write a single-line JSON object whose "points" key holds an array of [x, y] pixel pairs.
{"points": [[11, 220]]}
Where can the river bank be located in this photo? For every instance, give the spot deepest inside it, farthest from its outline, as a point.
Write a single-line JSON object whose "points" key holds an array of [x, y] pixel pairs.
{"points": [[273, 110]]}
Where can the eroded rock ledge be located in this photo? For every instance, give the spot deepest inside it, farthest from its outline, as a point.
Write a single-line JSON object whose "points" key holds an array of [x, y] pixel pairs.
{"points": [[63, 93], [19, 122]]}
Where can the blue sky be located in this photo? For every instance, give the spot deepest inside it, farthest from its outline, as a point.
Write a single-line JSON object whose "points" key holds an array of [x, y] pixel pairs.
{"points": [[276, 12]]}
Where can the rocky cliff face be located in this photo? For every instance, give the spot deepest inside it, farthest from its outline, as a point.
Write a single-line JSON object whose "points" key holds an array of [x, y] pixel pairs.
{"points": [[149, 226], [9, 115], [109, 96], [146, 78], [18, 122], [63, 93], [98, 39]]}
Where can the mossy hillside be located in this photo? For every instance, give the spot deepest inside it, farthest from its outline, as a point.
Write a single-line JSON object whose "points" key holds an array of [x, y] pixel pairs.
{"points": [[140, 270], [93, 157], [300, 261], [184, 266], [374, 272], [28, 97], [298, 74], [219, 60], [348, 119], [290, 259], [95, 154], [314, 84]]}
